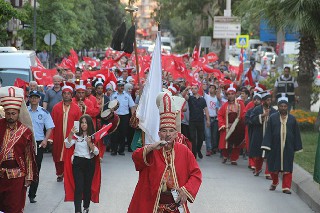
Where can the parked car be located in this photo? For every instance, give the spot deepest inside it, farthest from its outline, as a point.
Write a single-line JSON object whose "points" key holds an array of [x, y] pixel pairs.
{"points": [[262, 50], [269, 57], [16, 64]]}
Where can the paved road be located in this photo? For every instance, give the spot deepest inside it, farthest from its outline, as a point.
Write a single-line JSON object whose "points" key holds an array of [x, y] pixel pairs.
{"points": [[225, 189]]}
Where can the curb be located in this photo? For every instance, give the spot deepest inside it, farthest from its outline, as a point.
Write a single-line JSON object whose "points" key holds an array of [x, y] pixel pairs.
{"points": [[306, 188]]}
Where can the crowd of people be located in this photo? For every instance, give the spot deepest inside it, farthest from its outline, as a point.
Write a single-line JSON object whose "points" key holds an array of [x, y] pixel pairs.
{"points": [[231, 118]]}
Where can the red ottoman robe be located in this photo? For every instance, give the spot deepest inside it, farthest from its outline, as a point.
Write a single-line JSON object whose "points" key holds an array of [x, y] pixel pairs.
{"points": [[222, 116], [151, 169], [57, 136]]}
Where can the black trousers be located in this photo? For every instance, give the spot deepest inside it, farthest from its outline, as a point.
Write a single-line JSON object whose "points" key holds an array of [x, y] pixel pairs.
{"points": [[196, 130], [119, 136], [185, 130], [83, 171], [34, 185]]}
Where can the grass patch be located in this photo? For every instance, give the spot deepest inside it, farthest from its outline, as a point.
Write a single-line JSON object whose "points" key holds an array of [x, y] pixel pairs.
{"points": [[306, 158]]}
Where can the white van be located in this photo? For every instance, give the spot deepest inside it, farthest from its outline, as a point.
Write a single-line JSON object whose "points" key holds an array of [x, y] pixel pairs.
{"points": [[16, 64]]}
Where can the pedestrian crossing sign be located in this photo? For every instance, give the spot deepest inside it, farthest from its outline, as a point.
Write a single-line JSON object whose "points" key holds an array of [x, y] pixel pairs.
{"points": [[242, 41]]}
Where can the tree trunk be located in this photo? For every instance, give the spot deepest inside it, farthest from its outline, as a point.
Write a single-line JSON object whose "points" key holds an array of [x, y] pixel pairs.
{"points": [[306, 70]]}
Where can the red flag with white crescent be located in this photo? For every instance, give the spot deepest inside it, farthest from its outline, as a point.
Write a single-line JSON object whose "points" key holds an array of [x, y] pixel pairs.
{"points": [[102, 132], [43, 76], [91, 62]]}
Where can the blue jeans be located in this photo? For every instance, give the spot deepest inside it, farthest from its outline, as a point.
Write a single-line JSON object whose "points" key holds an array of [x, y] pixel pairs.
{"points": [[211, 134]]}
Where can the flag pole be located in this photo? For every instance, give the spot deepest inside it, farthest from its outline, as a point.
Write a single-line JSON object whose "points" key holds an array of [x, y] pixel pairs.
{"points": [[131, 9]]}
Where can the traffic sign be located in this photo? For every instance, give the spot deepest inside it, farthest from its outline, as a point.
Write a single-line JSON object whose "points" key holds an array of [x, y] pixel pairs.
{"points": [[242, 41], [226, 27], [50, 39]]}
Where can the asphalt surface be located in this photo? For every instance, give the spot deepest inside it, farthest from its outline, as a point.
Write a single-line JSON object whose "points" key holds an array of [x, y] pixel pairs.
{"points": [[225, 189]]}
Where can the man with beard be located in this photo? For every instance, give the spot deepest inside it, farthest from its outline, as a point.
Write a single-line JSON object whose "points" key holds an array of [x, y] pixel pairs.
{"points": [[63, 115], [166, 168], [282, 140], [259, 118], [231, 126], [17, 156]]}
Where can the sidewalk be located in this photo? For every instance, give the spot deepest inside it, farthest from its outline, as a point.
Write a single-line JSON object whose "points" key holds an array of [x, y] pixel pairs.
{"points": [[306, 188]]}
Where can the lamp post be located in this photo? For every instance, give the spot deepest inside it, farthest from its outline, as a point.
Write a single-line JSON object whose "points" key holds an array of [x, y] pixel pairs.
{"points": [[131, 9], [34, 25]]}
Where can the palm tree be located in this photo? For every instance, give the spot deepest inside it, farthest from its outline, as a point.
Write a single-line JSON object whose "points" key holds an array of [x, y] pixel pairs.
{"points": [[299, 16]]}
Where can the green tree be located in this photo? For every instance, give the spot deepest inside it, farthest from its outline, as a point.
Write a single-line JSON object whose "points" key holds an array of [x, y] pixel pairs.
{"points": [[6, 13], [298, 16], [188, 19], [77, 24]]}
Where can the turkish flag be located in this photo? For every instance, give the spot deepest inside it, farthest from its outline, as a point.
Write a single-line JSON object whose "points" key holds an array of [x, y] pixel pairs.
{"points": [[196, 53], [91, 62], [103, 73], [74, 56], [20, 83], [248, 78], [234, 69], [211, 57], [68, 63], [108, 63], [43, 76], [216, 72], [39, 64], [102, 132]]}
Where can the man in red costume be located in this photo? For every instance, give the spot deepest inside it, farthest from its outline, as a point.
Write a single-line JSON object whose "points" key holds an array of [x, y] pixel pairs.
{"points": [[231, 126], [86, 106], [164, 166], [96, 107], [17, 152], [102, 101], [63, 115]]}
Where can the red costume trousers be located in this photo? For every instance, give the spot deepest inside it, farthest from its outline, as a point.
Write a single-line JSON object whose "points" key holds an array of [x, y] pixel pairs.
{"points": [[286, 180], [258, 162], [234, 156], [12, 194], [59, 168], [251, 162]]}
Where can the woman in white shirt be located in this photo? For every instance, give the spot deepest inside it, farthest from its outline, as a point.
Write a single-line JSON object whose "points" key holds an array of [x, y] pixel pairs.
{"points": [[83, 164]]}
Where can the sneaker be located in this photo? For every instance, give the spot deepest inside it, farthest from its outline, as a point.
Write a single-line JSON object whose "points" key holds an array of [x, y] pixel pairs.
{"points": [[113, 153], [60, 179], [86, 210], [200, 155], [209, 153]]}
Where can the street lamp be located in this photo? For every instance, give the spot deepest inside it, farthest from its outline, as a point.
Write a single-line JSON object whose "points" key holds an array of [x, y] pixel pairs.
{"points": [[34, 25]]}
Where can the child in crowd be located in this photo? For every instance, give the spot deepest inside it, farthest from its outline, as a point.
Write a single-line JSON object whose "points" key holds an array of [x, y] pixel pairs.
{"points": [[84, 165]]}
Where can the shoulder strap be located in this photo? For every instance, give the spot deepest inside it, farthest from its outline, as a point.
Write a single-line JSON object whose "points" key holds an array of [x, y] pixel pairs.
{"points": [[12, 141]]}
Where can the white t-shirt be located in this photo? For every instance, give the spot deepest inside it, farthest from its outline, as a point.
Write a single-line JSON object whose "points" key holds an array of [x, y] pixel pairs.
{"points": [[212, 104]]}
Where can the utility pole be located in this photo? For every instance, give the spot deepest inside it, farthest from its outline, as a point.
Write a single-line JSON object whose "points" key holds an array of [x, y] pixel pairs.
{"points": [[34, 25], [227, 13]]}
